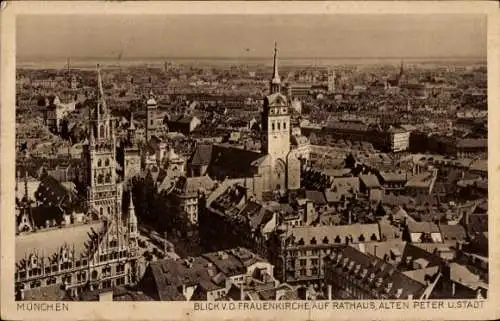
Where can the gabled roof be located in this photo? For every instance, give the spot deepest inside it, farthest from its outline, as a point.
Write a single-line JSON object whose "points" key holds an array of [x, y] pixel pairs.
{"points": [[202, 155], [370, 181], [374, 273]]}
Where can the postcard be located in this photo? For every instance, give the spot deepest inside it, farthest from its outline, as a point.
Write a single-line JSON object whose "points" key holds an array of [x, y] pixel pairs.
{"points": [[249, 160]]}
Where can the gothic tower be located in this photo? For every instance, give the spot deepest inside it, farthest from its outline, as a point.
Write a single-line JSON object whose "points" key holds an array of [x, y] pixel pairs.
{"points": [[151, 123], [100, 157], [275, 138]]}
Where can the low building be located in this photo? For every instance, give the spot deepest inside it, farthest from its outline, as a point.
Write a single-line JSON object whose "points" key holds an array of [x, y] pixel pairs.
{"points": [[352, 274], [299, 252], [208, 277], [183, 124]]}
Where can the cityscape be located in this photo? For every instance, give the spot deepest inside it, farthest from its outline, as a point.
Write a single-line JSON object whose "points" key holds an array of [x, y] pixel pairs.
{"points": [[251, 178]]}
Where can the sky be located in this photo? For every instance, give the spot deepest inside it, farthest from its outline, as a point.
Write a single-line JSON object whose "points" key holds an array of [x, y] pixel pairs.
{"points": [[311, 36]]}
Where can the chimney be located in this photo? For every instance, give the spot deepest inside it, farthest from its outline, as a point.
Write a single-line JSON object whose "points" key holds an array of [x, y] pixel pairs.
{"points": [[329, 292]]}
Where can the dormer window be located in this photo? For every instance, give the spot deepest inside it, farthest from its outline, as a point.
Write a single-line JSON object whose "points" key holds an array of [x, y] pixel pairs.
{"points": [[313, 241]]}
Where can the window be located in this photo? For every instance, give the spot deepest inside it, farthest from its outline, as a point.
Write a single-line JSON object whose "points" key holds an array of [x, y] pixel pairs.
{"points": [[106, 162], [314, 261], [272, 126], [303, 272], [284, 125], [94, 275], [302, 262], [279, 126], [101, 131], [313, 241], [99, 163]]}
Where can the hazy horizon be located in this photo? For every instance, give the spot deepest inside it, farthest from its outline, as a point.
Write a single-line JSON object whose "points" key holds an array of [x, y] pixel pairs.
{"points": [[251, 36]]}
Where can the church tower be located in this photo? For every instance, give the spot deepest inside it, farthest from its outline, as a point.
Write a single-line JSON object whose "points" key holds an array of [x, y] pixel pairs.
{"points": [[151, 122], [275, 138], [100, 157]]}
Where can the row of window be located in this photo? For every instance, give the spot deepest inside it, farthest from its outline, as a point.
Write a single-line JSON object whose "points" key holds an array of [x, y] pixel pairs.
{"points": [[106, 162], [113, 255], [278, 125], [51, 269], [313, 271], [303, 262]]}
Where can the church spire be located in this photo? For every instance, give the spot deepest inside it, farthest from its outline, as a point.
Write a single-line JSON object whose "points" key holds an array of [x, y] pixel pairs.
{"points": [[101, 103], [275, 81]]}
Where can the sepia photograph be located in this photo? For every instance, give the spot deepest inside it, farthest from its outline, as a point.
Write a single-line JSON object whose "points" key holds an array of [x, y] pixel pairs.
{"points": [[254, 161]]}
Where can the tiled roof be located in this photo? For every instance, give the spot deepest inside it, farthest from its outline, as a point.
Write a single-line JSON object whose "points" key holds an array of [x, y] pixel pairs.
{"points": [[422, 227], [46, 293], [370, 181], [331, 233], [190, 185], [202, 155], [412, 252], [53, 239], [453, 232], [472, 143], [316, 197], [374, 274], [234, 162], [479, 165], [392, 176], [207, 272]]}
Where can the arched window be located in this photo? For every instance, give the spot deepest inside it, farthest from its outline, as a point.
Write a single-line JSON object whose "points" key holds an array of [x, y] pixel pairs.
{"points": [[100, 179], [313, 241], [284, 125], [100, 211], [337, 239], [272, 126], [108, 178], [102, 131], [361, 238], [109, 210], [279, 126], [325, 240], [106, 162], [99, 163]]}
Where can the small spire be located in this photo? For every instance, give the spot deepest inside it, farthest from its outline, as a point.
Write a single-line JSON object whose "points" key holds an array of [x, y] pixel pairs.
{"points": [[131, 205], [276, 77]]}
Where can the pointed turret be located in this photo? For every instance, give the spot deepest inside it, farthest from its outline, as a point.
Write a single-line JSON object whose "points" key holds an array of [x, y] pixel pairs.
{"points": [[132, 218], [275, 81]]}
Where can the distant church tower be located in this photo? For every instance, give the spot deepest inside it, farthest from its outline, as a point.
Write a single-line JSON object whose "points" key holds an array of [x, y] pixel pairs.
{"points": [[331, 81], [100, 157], [151, 122], [276, 131]]}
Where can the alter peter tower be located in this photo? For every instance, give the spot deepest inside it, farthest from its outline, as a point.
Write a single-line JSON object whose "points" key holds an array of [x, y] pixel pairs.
{"points": [[276, 131]]}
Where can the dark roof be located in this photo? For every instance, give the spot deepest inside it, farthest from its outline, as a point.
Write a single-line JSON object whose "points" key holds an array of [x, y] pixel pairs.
{"points": [[233, 162], [316, 196], [202, 155], [412, 252], [52, 193], [370, 270]]}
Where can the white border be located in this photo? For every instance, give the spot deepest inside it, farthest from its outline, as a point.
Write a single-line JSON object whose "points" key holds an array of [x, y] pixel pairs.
{"points": [[181, 310]]}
